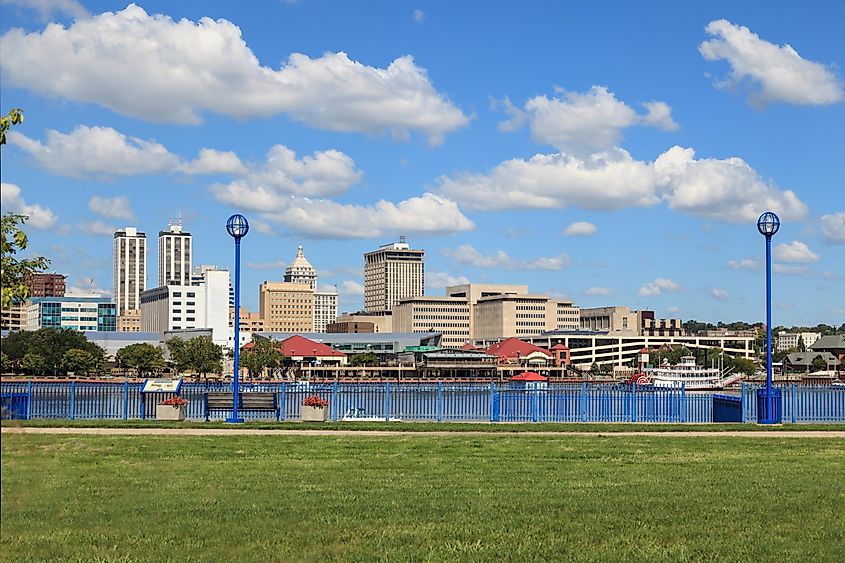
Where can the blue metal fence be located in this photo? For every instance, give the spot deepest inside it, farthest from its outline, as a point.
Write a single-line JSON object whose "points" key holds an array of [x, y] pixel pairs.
{"points": [[435, 401]]}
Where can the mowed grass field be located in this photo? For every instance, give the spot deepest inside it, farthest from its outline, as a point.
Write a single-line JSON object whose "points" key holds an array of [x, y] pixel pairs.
{"points": [[421, 497]]}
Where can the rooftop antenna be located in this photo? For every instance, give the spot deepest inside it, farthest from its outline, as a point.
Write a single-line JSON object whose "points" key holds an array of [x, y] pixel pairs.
{"points": [[401, 238], [179, 218]]}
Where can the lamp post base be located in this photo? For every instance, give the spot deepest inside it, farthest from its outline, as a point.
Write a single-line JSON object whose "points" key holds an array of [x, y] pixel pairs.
{"points": [[232, 420], [769, 409]]}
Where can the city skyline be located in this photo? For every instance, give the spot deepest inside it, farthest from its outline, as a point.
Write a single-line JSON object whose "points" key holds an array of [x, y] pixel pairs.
{"points": [[606, 154]]}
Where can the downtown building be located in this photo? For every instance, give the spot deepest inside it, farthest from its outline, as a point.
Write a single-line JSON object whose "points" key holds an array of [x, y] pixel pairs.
{"points": [[92, 313], [130, 275], [393, 272], [300, 271]]}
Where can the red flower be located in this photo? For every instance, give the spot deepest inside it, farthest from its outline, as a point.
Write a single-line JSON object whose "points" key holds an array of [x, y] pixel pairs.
{"points": [[315, 402], [175, 402]]}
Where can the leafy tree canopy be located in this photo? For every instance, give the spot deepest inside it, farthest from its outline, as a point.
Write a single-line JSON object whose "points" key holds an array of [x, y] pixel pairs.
{"points": [[14, 269], [363, 359], [143, 357]]}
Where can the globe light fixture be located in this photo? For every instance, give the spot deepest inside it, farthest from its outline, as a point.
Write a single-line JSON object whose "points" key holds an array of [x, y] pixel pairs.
{"points": [[237, 226], [768, 399]]}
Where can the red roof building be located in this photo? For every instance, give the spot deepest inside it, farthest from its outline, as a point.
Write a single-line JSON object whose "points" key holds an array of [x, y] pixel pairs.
{"points": [[300, 349], [513, 350], [529, 376]]}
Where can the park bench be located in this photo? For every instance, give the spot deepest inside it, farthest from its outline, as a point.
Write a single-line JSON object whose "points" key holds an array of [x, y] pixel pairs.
{"points": [[247, 402]]}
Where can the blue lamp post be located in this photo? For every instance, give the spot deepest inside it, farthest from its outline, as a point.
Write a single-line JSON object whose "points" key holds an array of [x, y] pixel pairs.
{"points": [[768, 399], [238, 227]]}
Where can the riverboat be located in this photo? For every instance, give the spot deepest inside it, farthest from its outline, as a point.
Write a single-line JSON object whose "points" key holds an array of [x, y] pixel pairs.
{"points": [[689, 375]]}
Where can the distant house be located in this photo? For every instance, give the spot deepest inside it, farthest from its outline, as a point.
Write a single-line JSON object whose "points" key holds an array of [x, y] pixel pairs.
{"points": [[834, 344], [516, 351]]}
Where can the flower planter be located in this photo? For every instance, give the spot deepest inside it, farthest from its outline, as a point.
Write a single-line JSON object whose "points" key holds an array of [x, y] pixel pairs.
{"points": [[170, 412], [314, 414]]}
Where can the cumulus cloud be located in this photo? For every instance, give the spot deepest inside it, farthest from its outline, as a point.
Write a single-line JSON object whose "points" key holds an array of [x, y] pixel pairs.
{"points": [[88, 151], [40, 217], [833, 227], [718, 294], [323, 218], [790, 270], [103, 151], [577, 122], [47, 9], [155, 68], [580, 229], [469, 256], [658, 286], [443, 279], [324, 173], [744, 264], [796, 251], [419, 16], [211, 161], [599, 291], [114, 208], [780, 72], [350, 287], [728, 189], [97, 228]]}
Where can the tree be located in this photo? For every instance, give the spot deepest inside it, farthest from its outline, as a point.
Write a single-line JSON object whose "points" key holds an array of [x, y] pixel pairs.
{"points": [[363, 359], [263, 354], [741, 365], [13, 270], [205, 356], [145, 358], [179, 357], [801, 346], [4, 362], [51, 344], [819, 363], [77, 360], [15, 117], [33, 363]]}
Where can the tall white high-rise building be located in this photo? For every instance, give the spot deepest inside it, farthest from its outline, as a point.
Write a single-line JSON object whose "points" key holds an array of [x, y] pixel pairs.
{"points": [[393, 272], [198, 278], [130, 268], [174, 256], [325, 308]]}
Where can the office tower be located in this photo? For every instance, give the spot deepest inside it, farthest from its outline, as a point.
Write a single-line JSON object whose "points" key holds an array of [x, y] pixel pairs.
{"points": [[302, 272], [286, 307], [393, 272], [45, 285], [174, 256], [130, 268], [198, 278]]}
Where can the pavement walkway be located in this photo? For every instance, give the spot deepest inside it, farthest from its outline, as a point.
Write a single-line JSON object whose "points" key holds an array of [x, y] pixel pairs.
{"points": [[402, 434]]}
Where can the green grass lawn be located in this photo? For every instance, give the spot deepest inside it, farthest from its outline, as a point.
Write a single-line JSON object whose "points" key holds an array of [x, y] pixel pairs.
{"points": [[497, 427], [217, 498]]}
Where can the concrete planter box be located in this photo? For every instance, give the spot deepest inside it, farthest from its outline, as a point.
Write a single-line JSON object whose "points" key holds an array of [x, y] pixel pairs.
{"points": [[170, 412], [314, 414]]}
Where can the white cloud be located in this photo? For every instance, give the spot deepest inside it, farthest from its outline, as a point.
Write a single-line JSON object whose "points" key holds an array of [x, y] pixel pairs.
{"points": [[97, 228], [350, 287], [796, 251], [90, 151], [790, 270], [718, 294], [833, 227], [744, 264], [580, 229], [277, 265], [599, 291], [40, 217], [443, 279], [155, 68], [658, 286], [577, 122], [324, 173], [103, 151], [262, 227], [781, 73], [114, 208], [467, 255], [322, 218], [211, 161], [419, 16], [48, 8], [728, 190]]}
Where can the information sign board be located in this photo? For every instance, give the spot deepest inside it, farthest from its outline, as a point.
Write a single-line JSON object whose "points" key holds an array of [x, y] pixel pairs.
{"points": [[161, 386]]}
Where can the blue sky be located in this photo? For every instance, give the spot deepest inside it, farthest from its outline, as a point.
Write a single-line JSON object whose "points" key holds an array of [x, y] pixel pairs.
{"points": [[608, 152]]}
